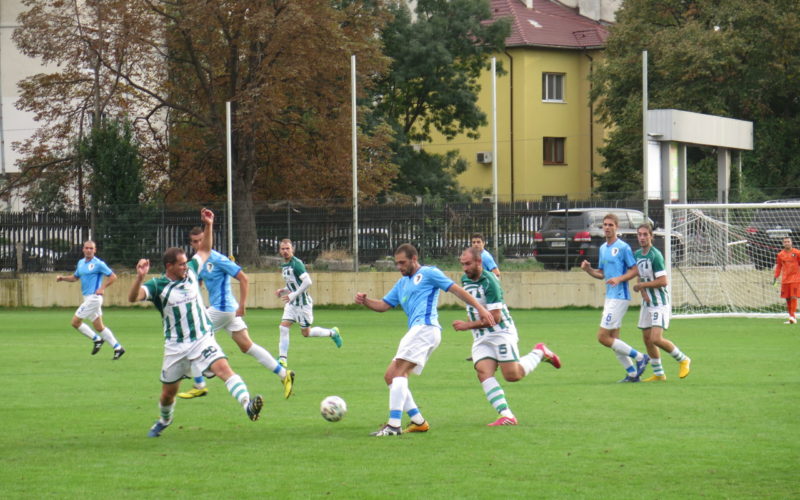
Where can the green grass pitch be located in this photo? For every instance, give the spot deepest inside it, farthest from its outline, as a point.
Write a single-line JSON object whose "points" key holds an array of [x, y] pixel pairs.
{"points": [[74, 425]]}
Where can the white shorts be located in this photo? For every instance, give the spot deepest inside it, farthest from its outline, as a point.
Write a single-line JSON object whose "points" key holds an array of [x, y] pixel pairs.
{"points": [[302, 315], [92, 307], [613, 312], [179, 357], [418, 344], [225, 320], [651, 316], [500, 346]]}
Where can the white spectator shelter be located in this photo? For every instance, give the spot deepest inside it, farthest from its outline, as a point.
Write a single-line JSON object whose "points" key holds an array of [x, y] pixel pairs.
{"points": [[669, 131]]}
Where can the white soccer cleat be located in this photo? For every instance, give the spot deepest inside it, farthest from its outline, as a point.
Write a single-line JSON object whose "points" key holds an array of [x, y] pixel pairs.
{"points": [[791, 321]]}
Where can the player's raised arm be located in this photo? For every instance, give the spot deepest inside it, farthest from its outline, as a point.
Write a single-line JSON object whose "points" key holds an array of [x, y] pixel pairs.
{"points": [[136, 292], [375, 305], [204, 249], [594, 273]]}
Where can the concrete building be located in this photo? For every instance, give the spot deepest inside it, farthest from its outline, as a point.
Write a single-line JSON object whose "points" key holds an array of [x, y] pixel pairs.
{"points": [[547, 135]]}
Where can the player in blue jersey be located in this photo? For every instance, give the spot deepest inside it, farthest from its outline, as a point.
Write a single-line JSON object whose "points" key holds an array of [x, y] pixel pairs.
{"points": [[478, 241], [91, 271], [616, 265], [417, 292], [226, 313]]}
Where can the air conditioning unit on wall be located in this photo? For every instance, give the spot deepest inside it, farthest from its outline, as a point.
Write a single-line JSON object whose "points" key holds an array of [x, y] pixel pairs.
{"points": [[485, 157]]}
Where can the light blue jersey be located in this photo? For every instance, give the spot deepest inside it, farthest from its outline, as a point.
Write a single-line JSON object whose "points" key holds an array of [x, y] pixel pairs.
{"points": [[419, 295], [216, 273], [615, 260], [488, 261], [91, 274]]}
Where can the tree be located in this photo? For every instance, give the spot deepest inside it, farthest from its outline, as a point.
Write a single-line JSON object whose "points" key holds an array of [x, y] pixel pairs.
{"points": [[284, 66], [736, 58], [432, 83], [111, 157]]}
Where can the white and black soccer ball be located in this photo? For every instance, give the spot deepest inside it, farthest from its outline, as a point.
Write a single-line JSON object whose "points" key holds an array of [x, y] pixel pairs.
{"points": [[333, 408]]}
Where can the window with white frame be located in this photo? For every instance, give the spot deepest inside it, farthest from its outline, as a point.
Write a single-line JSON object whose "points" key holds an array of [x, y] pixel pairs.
{"points": [[553, 87], [554, 150]]}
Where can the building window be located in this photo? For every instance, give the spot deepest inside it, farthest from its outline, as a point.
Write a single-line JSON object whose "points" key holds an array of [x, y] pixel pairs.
{"points": [[554, 150], [553, 87]]}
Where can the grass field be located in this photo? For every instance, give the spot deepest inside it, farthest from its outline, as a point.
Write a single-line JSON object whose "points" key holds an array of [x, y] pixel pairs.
{"points": [[74, 425]]}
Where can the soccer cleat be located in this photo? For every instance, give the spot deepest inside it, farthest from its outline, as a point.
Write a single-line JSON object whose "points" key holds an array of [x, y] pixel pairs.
{"points": [[337, 339], [387, 430], [684, 368], [193, 393], [97, 345], [656, 378], [628, 379], [118, 353], [158, 428], [412, 427], [254, 407], [503, 421], [288, 384], [548, 355], [283, 362], [642, 365], [791, 321]]}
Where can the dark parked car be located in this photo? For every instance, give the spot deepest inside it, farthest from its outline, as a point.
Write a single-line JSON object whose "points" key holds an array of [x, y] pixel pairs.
{"points": [[567, 237], [765, 234]]}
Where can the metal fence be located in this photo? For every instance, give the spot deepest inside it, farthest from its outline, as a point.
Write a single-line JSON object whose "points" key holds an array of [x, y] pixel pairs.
{"points": [[38, 242]]}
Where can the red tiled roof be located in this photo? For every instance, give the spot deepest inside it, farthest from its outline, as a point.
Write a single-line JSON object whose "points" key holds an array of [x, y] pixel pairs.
{"points": [[549, 24]]}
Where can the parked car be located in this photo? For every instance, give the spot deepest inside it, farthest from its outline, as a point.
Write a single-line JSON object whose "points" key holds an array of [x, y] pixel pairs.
{"points": [[567, 237], [765, 234]]}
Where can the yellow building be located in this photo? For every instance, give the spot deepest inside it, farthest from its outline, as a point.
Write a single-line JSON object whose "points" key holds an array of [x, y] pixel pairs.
{"points": [[547, 137]]}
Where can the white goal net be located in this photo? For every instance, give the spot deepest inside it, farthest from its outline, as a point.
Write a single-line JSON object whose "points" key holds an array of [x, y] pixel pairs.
{"points": [[722, 257]]}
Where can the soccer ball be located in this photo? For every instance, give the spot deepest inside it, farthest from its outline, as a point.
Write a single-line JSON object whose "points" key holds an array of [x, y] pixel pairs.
{"points": [[333, 408]]}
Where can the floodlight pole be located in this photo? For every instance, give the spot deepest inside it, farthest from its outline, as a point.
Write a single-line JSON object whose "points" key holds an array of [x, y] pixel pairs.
{"points": [[229, 177], [495, 225], [354, 133], [644, 134]]}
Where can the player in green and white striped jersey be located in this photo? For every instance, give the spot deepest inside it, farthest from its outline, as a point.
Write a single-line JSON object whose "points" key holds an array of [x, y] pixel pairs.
{"points": [[655, 312], [495, 345], [189, 340], [299, 307]]}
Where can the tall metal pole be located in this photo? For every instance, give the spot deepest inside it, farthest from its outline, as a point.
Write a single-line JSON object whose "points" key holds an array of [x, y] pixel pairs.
{"points": [[645, 180], [354, 133], [230, 176], [495, 225]]}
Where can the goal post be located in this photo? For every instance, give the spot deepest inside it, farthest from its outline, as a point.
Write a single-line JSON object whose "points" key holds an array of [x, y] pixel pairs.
{"points": [[721, 257]]}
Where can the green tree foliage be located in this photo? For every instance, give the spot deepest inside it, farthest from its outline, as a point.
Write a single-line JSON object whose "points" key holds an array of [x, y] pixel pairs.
{"points": [[733, 58], [432, 83], [121, 225]]}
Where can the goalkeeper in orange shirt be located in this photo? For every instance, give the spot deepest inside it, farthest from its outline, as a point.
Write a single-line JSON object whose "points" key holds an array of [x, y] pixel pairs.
{"points": [[788, 268]]}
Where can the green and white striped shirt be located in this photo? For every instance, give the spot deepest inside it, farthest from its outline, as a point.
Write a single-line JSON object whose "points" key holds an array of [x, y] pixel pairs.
{"points": [[292, 274], [651, 266], [180, 304], [488, 293]]}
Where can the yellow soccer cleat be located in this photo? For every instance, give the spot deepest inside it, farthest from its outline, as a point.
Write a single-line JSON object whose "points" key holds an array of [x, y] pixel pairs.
{"points": [[193, 393], [288, 384], [283, 362], [656, 378], [412, 427], [685, 368]]}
